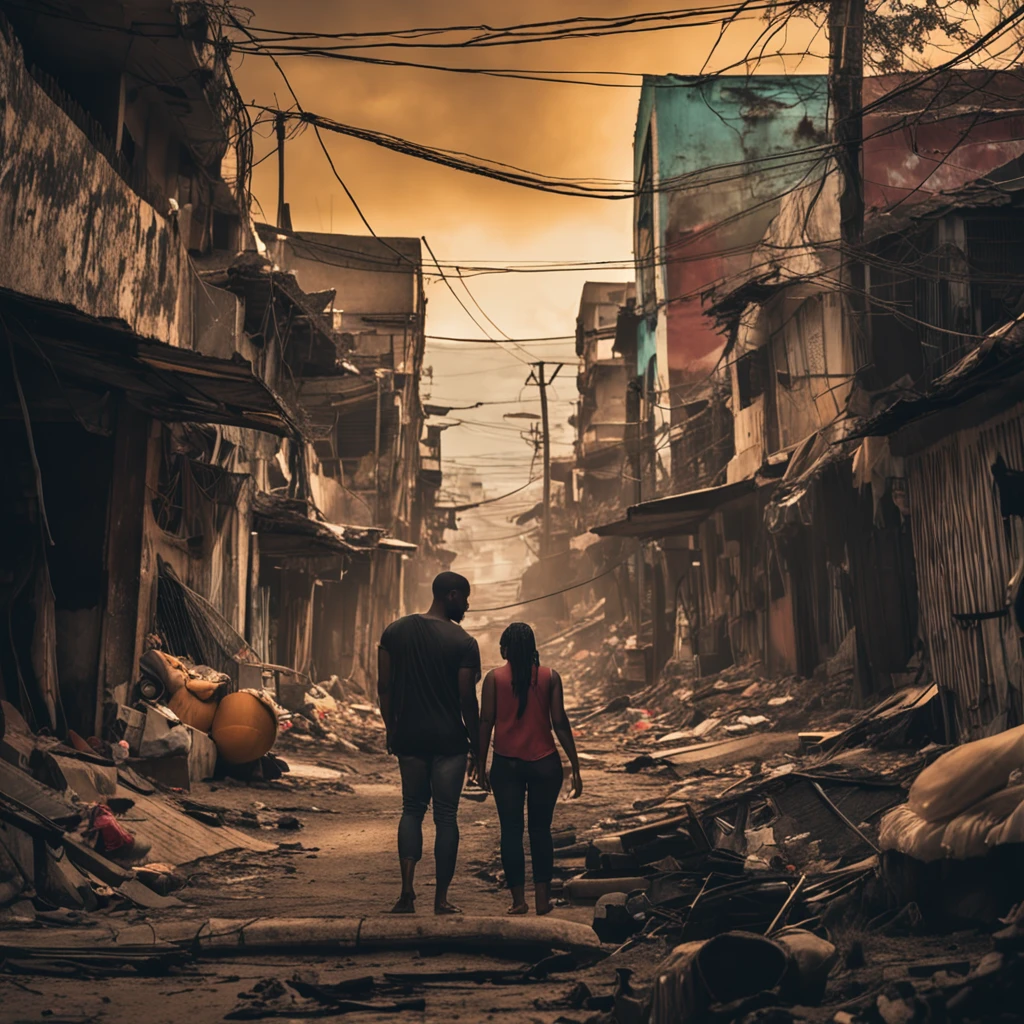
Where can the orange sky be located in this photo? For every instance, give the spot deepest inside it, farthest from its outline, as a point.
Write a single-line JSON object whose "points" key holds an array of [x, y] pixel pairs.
{"points": [[556, 129]]}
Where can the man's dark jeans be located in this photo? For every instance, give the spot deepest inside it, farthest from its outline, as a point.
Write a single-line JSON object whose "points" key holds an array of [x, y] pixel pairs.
{"points": [[438, 778]]}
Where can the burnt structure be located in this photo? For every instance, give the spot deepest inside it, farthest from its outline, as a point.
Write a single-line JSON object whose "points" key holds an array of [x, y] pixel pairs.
{"points": [[197, 441], [784, 516]]}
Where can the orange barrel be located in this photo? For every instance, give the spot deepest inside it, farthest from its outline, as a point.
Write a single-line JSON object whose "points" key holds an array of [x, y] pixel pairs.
{"points": [[244, 728]]}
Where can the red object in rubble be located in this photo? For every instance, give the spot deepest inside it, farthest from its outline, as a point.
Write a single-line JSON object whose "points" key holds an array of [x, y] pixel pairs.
{"points": [[110, 833]]}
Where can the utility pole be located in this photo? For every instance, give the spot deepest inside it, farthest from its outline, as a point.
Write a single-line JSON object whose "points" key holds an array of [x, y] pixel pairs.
{"points": [[537, 377], [284, 217], [376, 459], [845, 84]]}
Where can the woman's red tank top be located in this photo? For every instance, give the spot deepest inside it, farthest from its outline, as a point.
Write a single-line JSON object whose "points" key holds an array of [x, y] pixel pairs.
{"points": [[528, 738]]}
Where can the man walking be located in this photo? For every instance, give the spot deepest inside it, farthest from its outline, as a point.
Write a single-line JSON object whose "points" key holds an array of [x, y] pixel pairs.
{"points": [[427, 670]]}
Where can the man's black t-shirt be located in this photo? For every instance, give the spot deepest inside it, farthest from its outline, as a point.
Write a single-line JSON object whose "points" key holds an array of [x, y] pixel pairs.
{"points": [[426, 655]]}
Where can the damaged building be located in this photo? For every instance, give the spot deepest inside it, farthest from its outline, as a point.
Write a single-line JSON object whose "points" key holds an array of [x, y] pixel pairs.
{"points": [[206, 446], [818, 544]]}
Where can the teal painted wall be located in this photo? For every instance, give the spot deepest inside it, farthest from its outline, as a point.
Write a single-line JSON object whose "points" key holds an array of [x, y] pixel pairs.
{"points": [[645, 347], [725, 126]]}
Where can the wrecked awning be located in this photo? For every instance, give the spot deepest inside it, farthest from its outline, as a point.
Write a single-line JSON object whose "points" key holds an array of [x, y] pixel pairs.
{"points": [[989, 374], [677, 513], [791, 503], [166, 382], [286, 529], [394, 544]]}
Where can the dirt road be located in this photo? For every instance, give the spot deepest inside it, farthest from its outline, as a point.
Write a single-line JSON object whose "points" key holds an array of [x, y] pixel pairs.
{"points": [[347, 866]]}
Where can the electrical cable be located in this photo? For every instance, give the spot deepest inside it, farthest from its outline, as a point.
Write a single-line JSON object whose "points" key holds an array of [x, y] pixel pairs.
{"points": [[352, 199], [554, 593]]}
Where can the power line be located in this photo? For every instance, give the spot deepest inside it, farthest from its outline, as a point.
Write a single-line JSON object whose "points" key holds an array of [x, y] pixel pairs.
{"points": [[491, 341], [531, 32], [455, 295], [554, 593]]}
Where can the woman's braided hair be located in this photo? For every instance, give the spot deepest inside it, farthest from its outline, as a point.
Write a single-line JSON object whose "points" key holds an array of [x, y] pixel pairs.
{"points": [[520, 648]]}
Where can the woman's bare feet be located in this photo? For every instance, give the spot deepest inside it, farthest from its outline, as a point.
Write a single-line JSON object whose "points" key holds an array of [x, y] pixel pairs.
{"points": [[444, 907], [517, 910], [406, 904], [542, 898]]}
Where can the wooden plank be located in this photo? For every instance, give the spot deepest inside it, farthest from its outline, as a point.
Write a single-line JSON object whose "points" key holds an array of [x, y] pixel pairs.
{"points": [[963, 565], [83, 856], [737, 748], [124, 563], [178, 839], [24, 790]]}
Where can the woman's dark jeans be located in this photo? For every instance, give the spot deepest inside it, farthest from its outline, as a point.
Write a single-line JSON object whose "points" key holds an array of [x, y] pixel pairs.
{"points": [[535, 784], [438, 779]]}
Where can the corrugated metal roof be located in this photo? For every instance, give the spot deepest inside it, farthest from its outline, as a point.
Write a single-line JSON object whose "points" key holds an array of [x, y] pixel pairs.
{"points": [[178, 839]]}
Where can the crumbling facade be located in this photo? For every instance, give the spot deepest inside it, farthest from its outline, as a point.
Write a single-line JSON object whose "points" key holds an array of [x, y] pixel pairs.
{"points": [[173, 476], [802, 548]]}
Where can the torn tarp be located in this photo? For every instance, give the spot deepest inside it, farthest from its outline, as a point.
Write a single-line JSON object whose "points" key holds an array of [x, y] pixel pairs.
{"points": [[791, 503], [676, 513]]}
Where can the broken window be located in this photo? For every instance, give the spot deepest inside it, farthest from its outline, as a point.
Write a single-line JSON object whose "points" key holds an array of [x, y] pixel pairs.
{"points": [[752, 375], [995, 251]]}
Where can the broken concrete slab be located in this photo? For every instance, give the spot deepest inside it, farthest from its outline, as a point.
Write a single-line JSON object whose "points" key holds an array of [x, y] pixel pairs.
{"points": [[28, 793], [92, 781], [177, 838]]}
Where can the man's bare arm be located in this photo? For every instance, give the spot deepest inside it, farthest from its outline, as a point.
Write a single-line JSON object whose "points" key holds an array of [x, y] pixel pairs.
{"points": [[384, 689], [488, 713], [470, 708]]}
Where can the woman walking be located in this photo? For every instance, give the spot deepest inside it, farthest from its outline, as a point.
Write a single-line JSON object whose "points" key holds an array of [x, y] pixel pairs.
{"points": [[521, 703]]}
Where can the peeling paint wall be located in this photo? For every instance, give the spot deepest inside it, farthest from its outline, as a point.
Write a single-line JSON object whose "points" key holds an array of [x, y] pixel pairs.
{"points": [[810, 369], [727, 134], [71, 230], [908, 145]]}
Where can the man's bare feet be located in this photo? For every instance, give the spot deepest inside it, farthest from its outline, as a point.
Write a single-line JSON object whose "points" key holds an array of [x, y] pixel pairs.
{"points": [[406, 904], [444, 907], [517, 910]]}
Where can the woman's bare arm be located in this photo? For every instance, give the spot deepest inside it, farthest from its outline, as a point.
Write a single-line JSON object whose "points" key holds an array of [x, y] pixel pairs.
{"points": [[563, 730], [488, 713]]}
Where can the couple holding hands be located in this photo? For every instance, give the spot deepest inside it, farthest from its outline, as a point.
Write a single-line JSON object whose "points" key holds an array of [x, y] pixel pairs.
{"points": [[427, 670]]}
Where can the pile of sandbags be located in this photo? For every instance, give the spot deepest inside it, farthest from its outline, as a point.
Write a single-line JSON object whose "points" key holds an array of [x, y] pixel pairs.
{"points": [[966, 803]]}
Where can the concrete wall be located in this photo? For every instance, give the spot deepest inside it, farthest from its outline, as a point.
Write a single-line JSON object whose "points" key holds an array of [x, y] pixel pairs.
{"points": [[71, 230], [368, 277], [720, 130]]}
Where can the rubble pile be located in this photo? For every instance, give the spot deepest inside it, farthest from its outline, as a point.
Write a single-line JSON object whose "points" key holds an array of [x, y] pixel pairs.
{"points": [[679, 710], [81, 831], [783, 863], [107, 823], [331, 713]]}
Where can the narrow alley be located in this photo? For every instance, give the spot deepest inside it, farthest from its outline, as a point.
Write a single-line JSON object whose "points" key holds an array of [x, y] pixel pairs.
{"points": [[512, 511]]}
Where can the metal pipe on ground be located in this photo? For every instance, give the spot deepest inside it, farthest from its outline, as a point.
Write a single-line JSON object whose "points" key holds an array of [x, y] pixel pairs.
{"points": [[491, 935], [589, 890]]}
